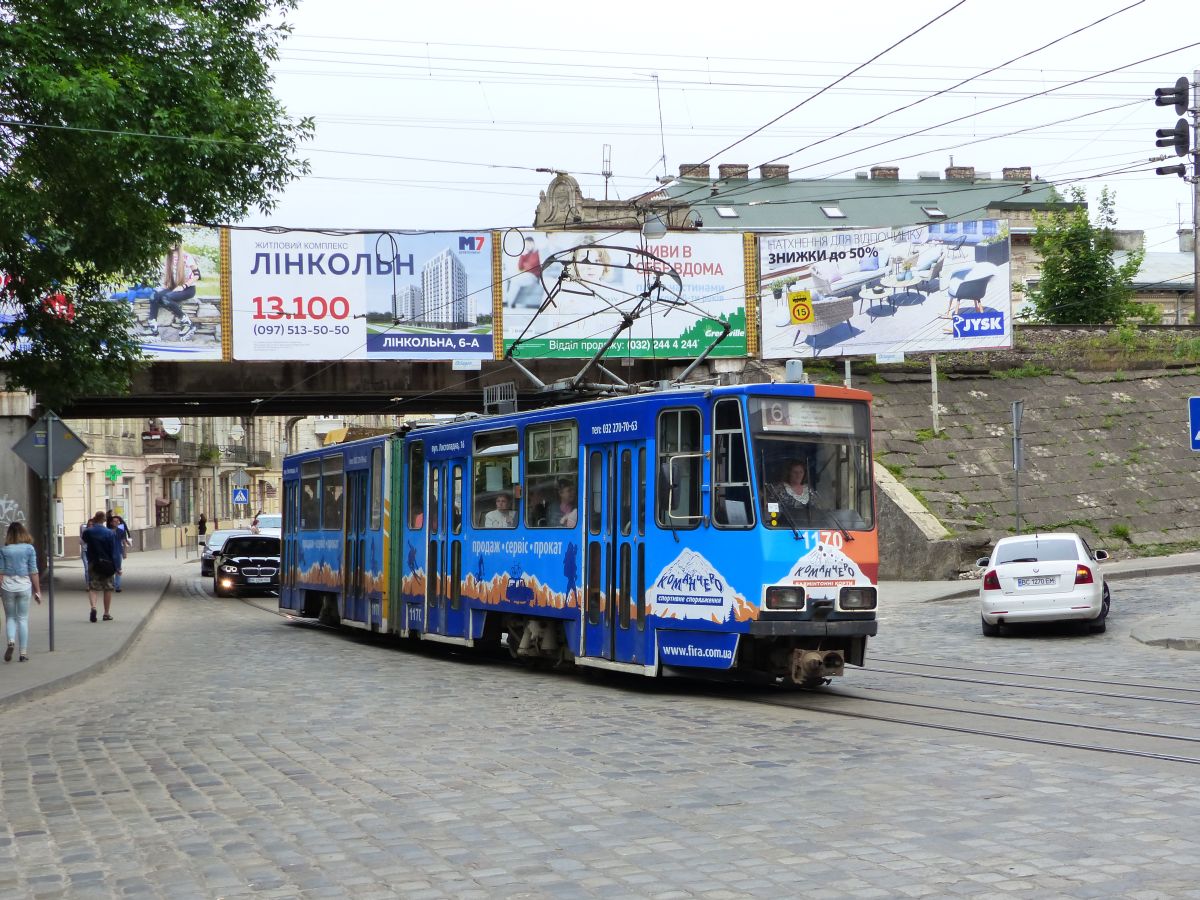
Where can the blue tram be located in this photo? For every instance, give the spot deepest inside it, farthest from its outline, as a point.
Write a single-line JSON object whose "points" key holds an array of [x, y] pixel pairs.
{"points": [[697, 529]]}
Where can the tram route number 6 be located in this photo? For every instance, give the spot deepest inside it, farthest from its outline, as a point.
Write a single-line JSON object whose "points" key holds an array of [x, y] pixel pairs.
{"points": [[800, 307]]}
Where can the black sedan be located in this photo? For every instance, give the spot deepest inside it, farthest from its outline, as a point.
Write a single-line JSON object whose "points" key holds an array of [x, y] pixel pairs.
{"points": [[248, 563], [212, 546]]}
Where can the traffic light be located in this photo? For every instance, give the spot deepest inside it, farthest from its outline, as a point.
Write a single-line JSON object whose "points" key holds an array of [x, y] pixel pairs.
{"points": [[1177, 137], [1174, 96]]}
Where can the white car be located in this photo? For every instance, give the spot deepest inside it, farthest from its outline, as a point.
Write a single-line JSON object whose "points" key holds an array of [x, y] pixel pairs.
{"points": [[1043, 578], [270, 523]]}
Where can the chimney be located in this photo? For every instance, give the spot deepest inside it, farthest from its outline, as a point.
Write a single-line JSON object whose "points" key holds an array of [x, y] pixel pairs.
{"points": [[1187, 240], [1018, 173], [693, 170], [733, 170], [885, 173], [960, 173], [773, 171]]}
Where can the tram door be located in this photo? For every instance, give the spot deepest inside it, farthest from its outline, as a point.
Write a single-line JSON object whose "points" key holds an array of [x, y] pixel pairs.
{"points": [[354, 598], [290, 557], [612, 571], [444, 612]]}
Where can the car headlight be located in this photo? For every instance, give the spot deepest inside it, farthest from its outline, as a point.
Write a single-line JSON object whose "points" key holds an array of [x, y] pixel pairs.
{"points": [[785, 598], [858, 598], [231, 570]]}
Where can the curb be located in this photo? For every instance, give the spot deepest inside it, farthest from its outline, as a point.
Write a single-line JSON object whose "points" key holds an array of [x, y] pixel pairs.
{"points": [[66, 681], [1169, 643]]}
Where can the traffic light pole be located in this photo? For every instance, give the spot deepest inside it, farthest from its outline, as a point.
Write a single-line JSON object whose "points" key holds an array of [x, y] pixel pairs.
{"points": [[1195, 154]]}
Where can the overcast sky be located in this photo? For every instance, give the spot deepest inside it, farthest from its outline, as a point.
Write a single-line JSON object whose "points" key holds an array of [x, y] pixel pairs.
{"points": [[434, 115]]}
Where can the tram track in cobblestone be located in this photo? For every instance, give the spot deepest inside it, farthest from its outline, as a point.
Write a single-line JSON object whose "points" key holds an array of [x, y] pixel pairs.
{"points": [[1035, 681], [965, 719]]}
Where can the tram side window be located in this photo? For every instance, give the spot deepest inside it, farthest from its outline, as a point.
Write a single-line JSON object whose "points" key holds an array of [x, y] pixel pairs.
{"points": [[551, 475], [333, 489], [680, 468], [416, 485], [733, 505], [310, 495], [376, 488], [494, 461]]}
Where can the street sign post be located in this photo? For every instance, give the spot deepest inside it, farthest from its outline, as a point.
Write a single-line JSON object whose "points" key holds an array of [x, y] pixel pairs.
{"points": [[50, 448], [1018, 411], [1194, 421]]}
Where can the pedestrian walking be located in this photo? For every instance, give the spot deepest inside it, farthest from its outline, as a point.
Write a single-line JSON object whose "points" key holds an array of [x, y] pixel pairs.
{"points": [[201, 529], [117, 524], [19, 584], [103, 555]]}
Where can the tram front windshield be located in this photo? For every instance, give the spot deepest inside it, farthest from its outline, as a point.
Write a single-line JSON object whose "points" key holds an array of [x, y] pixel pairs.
{"points": [[812, 462]]}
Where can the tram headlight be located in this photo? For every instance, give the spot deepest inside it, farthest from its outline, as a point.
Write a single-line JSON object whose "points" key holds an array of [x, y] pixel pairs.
{"points": [[785, 598], [858, 598]]}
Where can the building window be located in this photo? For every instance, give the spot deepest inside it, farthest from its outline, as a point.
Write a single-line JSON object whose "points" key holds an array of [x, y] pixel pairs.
{"points": [[933, 212], [833, 212], [727, 212]]}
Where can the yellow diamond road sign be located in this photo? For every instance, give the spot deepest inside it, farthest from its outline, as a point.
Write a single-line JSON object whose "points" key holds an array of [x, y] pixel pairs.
{"points": [[800, 307]]}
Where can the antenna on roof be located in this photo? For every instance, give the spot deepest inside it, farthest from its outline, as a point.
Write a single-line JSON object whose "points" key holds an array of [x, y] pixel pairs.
{"points": [[606, 167]]}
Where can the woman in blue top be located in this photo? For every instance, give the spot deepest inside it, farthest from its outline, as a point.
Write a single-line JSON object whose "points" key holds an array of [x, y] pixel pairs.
{"points": [[18, 566]]}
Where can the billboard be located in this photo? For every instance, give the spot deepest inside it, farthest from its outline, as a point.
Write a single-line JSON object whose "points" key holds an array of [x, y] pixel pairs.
{"points": [[380, 295], [868, 291], [602, 276]]}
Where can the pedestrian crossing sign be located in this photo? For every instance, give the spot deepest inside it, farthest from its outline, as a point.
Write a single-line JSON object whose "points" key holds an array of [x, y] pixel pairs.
{"points": [[241, 496]]}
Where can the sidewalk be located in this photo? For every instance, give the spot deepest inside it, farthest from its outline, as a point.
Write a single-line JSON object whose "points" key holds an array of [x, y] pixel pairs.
{"points": [[1180, 631], [83, 648]]}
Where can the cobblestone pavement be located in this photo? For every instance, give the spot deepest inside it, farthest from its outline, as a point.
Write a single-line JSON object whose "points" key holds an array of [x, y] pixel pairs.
{"points": [[230, 754]]}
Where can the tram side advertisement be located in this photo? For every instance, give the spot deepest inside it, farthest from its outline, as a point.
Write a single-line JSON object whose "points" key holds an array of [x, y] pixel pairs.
{"points": [[603, 276], [386, 295]]}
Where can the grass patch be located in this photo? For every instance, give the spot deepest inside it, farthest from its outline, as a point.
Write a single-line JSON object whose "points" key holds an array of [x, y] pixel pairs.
{"points": [[1025, 370], [927, 434]]}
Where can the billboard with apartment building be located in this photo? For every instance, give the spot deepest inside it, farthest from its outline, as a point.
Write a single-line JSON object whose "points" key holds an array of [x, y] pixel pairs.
{"points": [[300, 295]]}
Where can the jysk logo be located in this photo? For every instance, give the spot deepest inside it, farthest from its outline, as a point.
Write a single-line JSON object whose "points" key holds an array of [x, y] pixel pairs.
{"points": [[471, 243], [974, 324]]}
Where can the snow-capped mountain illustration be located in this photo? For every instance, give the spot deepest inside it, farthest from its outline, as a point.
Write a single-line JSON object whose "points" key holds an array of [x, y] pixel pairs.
{"points": [[691, 588]]}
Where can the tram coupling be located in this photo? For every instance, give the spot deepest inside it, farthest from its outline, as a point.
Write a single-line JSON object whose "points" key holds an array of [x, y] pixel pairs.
{"points": [[809, 666]]}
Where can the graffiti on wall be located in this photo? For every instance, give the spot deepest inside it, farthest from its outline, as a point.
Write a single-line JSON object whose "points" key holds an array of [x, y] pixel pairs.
{"points": [[10, 511]]}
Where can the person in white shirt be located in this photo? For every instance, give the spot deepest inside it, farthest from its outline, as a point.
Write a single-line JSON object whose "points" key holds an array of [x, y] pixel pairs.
{"points": [[503, 515], [796, 489]]}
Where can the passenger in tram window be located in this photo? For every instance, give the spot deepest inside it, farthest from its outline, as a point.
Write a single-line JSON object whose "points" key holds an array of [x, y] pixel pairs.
{"points": [[502, 516], [568, 504], [540, 509]]}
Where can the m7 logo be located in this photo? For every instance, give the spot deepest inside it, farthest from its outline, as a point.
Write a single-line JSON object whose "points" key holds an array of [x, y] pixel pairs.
{"points": [[471, 243]]}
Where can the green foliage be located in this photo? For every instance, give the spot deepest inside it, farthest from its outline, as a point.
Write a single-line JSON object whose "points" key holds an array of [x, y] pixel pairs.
{"points": [[121, 120], [1080, 282], [926, 434], [1025, 370], [1146, 313], [1120, 530]]}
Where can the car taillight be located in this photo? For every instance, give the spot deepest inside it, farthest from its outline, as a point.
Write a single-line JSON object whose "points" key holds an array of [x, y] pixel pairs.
{"points": [[1083, 575], [991, 581], [785, 598]]}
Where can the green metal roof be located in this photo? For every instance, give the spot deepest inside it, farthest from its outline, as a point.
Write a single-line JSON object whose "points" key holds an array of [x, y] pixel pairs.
{"points": [[774, 204]]}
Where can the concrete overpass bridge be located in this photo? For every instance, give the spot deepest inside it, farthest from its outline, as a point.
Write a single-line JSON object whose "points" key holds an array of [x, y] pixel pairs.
{"points": [[354, 386]]}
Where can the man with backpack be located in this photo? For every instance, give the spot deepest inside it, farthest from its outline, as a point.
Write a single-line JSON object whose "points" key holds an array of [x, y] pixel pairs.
{"points": [[103, 555]]}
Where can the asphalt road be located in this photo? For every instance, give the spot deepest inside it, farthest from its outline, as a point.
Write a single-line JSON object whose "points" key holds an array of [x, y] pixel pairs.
{"points": [[231, 754]]}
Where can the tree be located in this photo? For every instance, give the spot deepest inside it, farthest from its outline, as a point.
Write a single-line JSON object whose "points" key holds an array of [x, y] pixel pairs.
{"points": [[1080, 281], [119, 121]]}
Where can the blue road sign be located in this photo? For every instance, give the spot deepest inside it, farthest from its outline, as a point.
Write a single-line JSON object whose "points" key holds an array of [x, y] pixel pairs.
{"points": [[1194, 421], [241, 496]]}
